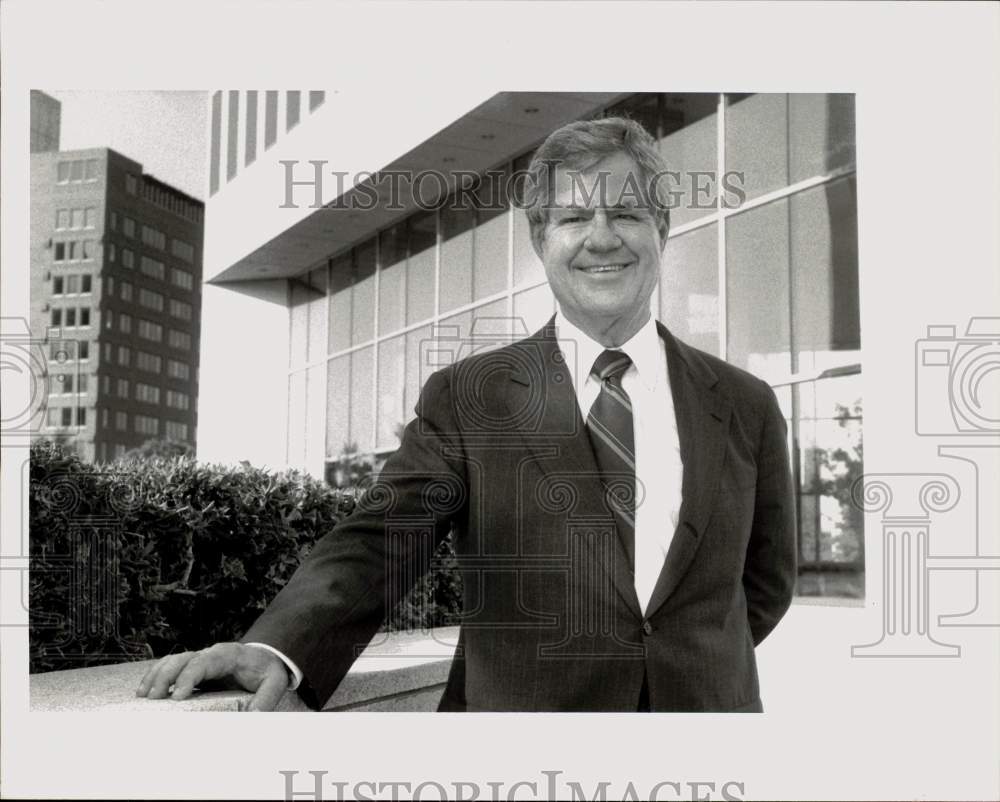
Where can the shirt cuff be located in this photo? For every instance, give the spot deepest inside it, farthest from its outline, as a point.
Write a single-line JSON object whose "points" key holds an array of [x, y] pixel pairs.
{"points": [[296, 675]]}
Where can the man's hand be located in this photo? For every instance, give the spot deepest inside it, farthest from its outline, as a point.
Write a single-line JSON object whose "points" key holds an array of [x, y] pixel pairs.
{"points": [[252, 668]]}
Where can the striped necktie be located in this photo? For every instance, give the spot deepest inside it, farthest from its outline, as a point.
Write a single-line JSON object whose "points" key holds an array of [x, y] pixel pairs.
{"points": [[612, 437]]}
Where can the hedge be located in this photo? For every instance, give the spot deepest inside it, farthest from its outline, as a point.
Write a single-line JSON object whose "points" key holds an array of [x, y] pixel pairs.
{"points": [[138, 559]]}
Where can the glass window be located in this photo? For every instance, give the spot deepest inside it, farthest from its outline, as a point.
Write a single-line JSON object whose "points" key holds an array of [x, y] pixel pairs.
{"points": [[89, 217], [128, 258], [82, 382], [689, 288], [60, 252], [125, 291], [417, 367], [124, 356], [338, 405], [184, 311], [62, 172], [177, 370], [363, 294], [128, 227], [491, 249], [72, 284], [527, 266], [392, 279], [826, 328], [362, 432], [57, 317], [689, 145], [70, 317], [121, 388], [180, 339], [181, 278], [83, 350], [57, 285], [318, 315], [62, 218], [457, 234], [85, 283], [391, 391], [76, 171], [85, 316], [87, 249], [176, 430], [757, 283], [121, 421], [299, 317], [757, 141], [339, 325], [829, 460], [821, 134], [66, 416], [113, 220], [422, 235], [125, 325], [81, 416]]}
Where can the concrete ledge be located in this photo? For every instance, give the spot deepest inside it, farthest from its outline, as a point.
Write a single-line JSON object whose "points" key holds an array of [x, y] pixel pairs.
{"points": [[399, 671]]}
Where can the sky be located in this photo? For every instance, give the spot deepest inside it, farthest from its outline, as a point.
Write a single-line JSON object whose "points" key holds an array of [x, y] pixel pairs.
{"points": [[165, 131]]}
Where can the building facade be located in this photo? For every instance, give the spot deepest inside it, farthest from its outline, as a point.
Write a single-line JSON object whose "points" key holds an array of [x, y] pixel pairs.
{"points": [[116, 290], [46, 122], [361, 303]]}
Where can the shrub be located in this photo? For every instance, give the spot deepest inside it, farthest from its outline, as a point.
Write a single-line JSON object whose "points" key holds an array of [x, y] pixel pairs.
{"points": [[138, 559]]}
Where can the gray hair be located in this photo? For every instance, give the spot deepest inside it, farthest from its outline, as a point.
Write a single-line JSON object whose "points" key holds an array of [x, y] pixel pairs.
{"points": [[579, 146]]}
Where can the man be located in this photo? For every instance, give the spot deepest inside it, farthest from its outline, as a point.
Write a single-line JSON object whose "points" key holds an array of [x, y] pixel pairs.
{"points": [[622, 503]]}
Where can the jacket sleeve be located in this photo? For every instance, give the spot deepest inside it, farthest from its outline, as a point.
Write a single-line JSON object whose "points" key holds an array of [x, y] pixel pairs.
{"points": [[335, 601], [770, 569]]}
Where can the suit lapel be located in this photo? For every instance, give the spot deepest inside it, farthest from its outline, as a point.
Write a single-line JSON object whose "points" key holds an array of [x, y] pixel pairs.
{"points": [[702, 426], [557, 436]]}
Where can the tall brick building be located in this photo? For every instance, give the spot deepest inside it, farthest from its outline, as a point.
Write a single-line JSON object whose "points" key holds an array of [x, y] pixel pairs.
{"points": [[116, 266]]}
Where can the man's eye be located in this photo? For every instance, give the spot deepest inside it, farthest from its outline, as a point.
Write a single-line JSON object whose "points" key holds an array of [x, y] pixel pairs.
{"points": [[630, 216]]}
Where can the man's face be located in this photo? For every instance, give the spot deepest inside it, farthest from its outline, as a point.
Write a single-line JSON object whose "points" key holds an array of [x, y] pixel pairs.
{"points": [[601, 246]]}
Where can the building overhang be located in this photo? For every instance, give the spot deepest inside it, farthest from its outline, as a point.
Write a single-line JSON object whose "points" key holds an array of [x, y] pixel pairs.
{"points": [[502, 127]]}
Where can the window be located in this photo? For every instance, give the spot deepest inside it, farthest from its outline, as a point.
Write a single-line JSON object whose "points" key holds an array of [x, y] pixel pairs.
{"points": [[125, 323], [152, 268], [150, 331], [179, 339], [125, 290], [148, 362], [62, 219], [112, 251], [128, 258], [121, 421], [175, 430], [60, 383], [81, 416], [178, 400], [181, 278], [131, 184], [147, 393], [124, 356], [59, 252], [154, 237], [105, 382], [128, 227], [76, 218], [113, 220], [57, 285], [150, 299], [106, 356], [69, 315], [182, 250], [104, 417], [180, 309], [85, 283], [91, 170], [66, 416], [85, 316], [89, 217], [121, 388], [83, 350], [109, 287], [87, 250], [77, 171], [82, 383], [178, 370], [72, 284], [62, 173], [146, 425], [119, 450]]}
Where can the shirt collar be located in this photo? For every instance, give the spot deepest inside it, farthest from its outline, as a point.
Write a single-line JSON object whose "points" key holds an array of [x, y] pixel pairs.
{"points": [[643, 349]]}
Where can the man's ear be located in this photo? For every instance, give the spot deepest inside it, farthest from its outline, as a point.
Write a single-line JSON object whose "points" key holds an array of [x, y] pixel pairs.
{"points": [[537, 238]]}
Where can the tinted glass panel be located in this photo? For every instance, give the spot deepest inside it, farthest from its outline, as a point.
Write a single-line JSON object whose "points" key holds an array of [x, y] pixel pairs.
{"points": [[689, 288]]}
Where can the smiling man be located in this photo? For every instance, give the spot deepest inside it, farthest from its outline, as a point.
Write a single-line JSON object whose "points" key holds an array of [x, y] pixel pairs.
{"points": [[621, 503]]}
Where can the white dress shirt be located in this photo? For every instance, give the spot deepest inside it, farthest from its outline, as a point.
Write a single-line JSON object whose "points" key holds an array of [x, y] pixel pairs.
{"points": [[658, 467]]}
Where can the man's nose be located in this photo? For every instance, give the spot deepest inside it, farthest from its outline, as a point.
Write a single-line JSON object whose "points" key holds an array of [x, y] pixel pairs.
{"points": [[600, 235]]}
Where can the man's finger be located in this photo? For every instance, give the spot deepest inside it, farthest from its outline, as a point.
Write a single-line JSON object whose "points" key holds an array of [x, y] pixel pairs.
{"points": [[271, 689], [166, 673]]}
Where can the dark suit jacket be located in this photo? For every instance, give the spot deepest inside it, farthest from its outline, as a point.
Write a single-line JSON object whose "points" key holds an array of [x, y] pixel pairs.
{"points": [[551, 620]]}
